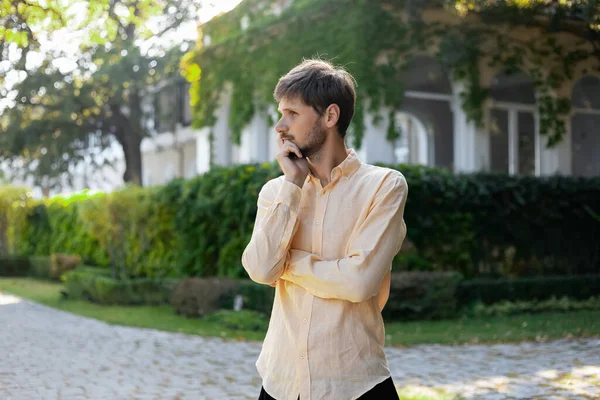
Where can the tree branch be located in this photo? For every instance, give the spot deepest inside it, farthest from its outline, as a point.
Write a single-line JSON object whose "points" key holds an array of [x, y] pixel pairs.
{"points": [[111, 13]]}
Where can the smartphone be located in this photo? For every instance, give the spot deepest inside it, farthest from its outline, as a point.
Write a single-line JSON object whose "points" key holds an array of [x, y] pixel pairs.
{"points": [[293, 156]]}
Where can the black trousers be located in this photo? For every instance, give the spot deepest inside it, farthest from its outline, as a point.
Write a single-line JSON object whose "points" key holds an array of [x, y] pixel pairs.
{"points": [[383, 391]]}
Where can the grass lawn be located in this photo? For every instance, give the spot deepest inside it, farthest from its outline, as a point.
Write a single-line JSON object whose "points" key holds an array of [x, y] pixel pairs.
{"points": [[154, 317], [461, 331]]}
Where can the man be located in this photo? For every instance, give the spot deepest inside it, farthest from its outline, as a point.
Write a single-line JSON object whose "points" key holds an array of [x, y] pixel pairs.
{"points": [[325, 235]]}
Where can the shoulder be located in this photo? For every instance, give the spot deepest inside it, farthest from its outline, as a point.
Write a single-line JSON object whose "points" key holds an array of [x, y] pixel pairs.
{"points": [[386, 178], [271, 187]]}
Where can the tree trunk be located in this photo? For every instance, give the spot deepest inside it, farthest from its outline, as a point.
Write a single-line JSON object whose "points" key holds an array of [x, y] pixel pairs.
{"points": [[129, 134], [133, 158]]}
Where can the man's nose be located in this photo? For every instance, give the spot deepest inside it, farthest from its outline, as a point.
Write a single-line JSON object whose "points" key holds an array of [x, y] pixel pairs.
{"points": [[281, 127]]}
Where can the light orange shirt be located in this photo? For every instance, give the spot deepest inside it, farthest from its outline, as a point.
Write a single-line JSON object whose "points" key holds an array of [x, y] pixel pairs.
{"points": [[329, 252]]}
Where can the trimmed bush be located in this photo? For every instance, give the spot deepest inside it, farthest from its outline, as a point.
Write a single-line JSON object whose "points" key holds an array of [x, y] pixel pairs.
{"points": [[55, 226], [255, 297], [490, 291], [195, 297], [61, 263], [481, 225], [505, 308], [422, 295], [96, 285], [496, 225], [14, 202], [40, 267], [244, 320], [13, 266], [214, 217]]}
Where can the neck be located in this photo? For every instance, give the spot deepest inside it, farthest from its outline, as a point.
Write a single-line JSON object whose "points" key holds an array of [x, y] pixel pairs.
{"points": [[330, 156]]}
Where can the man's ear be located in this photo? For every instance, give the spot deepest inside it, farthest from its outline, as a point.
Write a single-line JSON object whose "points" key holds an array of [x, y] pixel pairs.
{"points": [[332, 115]]}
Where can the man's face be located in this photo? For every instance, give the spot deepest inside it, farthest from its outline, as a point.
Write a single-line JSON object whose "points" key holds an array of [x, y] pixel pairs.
{"points": [[302, 125]]}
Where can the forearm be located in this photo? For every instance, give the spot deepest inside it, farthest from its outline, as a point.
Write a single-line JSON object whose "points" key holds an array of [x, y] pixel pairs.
{"points": [[359, 274], [264, 257]]}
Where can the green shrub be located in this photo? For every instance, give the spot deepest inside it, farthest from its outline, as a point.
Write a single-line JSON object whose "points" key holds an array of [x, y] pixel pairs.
{"points": [[214, 217], [480, 225], [54, 226], [96, 285], [505, 308], [62, 263], [40, 267], [489, 291], [13, 266], [135, 228], [498, 225], [195, 297], [14, 201], [244, 320], [254, 296], [422, 295]]}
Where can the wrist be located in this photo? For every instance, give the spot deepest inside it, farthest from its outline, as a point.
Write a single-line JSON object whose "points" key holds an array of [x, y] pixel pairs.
{"points": [[296, 182]]}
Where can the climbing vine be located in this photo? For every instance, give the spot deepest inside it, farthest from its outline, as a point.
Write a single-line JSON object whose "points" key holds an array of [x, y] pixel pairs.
{"points": [[251, 47]]}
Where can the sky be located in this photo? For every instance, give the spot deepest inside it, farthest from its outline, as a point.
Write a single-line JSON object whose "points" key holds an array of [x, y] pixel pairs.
{"points": [[188, 31]]}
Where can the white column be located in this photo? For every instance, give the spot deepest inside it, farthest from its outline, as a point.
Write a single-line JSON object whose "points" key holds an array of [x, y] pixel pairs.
{"points": [[255, 143], [202, 151], [550, 158], [465, 135], [513, 146], [375, 146], [482, 146], [273, 147], [222, 146]]}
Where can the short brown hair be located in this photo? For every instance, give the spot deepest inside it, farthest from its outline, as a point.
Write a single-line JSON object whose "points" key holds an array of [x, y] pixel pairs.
{"points": [[319, 84]]}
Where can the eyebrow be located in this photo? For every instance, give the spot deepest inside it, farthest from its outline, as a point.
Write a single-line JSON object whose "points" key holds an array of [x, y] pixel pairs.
{"points": [[281, 110]]}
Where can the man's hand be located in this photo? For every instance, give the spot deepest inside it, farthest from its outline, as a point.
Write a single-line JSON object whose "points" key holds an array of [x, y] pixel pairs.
{"points": [[294, 169]]}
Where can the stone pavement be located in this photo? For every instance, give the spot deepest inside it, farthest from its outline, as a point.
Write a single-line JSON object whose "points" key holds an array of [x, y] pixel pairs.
{"points": [[50, 354]]}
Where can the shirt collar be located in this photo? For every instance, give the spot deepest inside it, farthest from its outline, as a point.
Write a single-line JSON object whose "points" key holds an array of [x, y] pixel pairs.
{"points": [[346, 168]]}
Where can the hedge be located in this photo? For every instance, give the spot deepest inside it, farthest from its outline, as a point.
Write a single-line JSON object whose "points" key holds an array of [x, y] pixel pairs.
{"points": [[480, 225], [50, 268], [489, 291], [497, 225], [96, 285], [422, 295], [11, 266], [195, 297]]}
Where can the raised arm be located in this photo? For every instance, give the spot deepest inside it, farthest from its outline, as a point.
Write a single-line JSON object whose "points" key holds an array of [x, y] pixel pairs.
{"points": [[275, 225]]}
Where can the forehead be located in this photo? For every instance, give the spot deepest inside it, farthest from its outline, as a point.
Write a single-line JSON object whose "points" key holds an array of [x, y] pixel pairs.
{"points": [[292, 103]]}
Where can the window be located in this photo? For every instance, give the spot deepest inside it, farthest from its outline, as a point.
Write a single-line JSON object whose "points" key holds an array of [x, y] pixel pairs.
{"points": [[514, 131]]}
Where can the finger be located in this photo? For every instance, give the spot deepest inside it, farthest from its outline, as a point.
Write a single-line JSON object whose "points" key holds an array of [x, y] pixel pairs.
{"points": [[293, 148]]}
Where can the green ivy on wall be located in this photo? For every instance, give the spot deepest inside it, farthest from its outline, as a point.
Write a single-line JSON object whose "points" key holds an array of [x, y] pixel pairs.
{"points": [[373, 40]]}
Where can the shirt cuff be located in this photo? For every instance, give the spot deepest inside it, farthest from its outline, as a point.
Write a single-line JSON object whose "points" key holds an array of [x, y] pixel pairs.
{"points": [[290, 195]]}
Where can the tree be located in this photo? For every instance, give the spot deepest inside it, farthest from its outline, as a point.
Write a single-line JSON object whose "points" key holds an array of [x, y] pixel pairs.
{"points": [[20, 23], [66, 115]]}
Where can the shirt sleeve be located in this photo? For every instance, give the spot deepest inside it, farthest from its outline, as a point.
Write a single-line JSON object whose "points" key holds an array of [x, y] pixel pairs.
{"points": [[359, 275], [276, 222]]}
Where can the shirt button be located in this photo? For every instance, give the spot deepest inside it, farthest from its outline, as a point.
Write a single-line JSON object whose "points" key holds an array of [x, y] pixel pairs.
{"points": [[318, 222], [302, 356], [318, 193], [305, 320]]}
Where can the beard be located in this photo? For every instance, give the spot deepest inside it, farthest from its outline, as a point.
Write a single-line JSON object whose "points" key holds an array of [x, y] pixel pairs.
{"points": [[315, 139]]}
